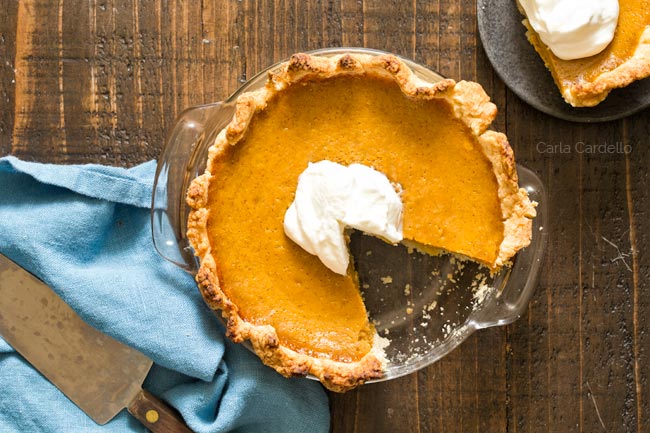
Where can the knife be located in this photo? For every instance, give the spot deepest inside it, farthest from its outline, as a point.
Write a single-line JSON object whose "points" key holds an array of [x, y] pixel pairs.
{"points": [[98, 373]]}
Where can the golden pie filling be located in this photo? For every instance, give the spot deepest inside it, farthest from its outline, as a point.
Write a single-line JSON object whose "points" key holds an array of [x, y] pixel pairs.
{"points": [[450, 201]]}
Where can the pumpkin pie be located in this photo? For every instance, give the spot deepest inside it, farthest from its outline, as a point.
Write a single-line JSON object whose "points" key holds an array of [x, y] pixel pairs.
{"points": [[587, 82], [459, 194]]}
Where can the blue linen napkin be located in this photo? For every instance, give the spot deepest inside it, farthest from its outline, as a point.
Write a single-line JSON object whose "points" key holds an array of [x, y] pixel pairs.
{"points": [[85, 230]]}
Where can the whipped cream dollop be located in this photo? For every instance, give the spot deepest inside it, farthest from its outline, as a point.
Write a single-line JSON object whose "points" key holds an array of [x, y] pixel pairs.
{"points": [[329, 198], [573, 29]]}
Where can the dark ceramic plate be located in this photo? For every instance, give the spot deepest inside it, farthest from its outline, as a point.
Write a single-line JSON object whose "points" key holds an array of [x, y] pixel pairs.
{"points": [[515, 60]]}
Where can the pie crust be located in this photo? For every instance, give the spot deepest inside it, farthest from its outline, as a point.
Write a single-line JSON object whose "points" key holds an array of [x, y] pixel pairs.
{"points": [[589, 93], [470, 104]]}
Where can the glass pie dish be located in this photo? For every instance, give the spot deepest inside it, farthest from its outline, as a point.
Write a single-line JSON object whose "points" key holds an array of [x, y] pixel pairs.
{"points": [[425, 305]]}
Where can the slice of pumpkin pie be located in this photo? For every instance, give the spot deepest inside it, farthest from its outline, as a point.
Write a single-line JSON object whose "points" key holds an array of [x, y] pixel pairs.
{"points": [[585, 82]]}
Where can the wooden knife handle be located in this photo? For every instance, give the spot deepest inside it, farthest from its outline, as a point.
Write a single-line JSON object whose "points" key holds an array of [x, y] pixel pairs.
{"points": [[156, 415]]}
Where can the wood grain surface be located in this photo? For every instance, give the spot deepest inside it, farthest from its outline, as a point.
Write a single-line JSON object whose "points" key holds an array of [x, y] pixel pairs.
{"points": [[103, 80]]}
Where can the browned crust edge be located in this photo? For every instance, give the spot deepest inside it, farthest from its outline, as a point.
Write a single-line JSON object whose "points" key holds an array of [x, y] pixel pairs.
{"points": [[590, 94], [470, 104]]}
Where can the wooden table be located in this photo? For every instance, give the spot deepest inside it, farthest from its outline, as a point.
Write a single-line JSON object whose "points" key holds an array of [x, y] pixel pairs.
{"points": [[103, 80]]}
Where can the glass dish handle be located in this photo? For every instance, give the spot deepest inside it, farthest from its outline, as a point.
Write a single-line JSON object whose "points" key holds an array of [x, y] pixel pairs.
{"points": [[176, 169], [506, 305]]}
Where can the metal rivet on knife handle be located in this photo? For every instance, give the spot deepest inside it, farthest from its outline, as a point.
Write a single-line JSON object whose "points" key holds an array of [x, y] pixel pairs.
{"points": [[152, 416]]}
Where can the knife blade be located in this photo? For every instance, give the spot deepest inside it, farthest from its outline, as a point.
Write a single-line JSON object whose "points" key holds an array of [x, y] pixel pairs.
{"points": [[96, 372]]}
